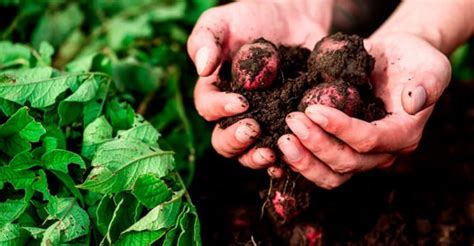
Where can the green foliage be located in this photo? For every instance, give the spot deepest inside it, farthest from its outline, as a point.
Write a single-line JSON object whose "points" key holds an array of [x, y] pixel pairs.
{"points": [[79, 164], [462, 61]]}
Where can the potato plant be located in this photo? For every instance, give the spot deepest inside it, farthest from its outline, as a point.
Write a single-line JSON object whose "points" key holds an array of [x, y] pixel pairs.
{"points": [[96, 144]]}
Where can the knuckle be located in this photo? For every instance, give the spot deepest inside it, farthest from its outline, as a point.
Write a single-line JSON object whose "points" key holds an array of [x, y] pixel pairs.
{"points": [[344, 168], [366, 145], [300, 166]]}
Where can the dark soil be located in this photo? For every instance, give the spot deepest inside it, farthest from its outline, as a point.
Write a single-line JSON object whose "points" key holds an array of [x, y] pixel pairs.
{"points": [[426, 198], [301, 70], [338, 61], [269, 107]]}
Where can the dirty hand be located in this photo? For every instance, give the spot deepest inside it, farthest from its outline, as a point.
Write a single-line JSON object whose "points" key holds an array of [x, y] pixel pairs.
{"points": [[219, 33], [327, 146]]}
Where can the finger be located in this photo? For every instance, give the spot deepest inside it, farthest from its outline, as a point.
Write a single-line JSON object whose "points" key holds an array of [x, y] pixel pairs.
{"points": [[205, 42], [340, 157], [303, 162], [426, 89], [213, 104], [258, 158], [275, 172], [389, 134], [236, 138]]}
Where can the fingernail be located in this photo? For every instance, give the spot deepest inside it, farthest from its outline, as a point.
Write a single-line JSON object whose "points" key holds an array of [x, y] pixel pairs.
{"points": [[201, 59], [244, 133], [317, 117], [239, 105], [259, 157], [275, 172], [418, 99], [290, 150], [298, 128]]}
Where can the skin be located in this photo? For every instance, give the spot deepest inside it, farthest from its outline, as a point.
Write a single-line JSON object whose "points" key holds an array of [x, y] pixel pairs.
{"points": [[219, 33], [327, 146]]}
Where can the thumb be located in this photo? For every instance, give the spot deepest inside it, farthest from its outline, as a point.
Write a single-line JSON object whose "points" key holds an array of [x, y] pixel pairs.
{"points": [[419, 95], [205, 43]]}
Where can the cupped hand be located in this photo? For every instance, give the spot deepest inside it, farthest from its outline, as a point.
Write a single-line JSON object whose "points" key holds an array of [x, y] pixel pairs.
{"points": [[218, 34], [327, 146]]}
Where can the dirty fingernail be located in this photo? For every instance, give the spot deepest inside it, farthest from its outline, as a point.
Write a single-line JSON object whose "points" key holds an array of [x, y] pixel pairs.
{"points": [[290, 150], [245, 133], [418, 99], [298, 128], [202, 56], [275, 172], [237, 106], [262, 157]]}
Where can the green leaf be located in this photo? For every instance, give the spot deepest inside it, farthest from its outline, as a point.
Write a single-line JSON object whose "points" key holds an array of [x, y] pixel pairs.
{"points": [[11, 210], [122, 218], [14, 54], [136, 76], [18, 131], [20, 123], [8, 108], [140, 238], [41, 185], [124, 31], [56, 26], [19, 179], [105, 211], [118, 164], [35, 232], [71, 222], [69, 184], [14, 144], [70, 109], [33, 131], [58, 160], [161, 217], [23, 161], [141, 130], [151, 190], [121, 115], [35, 86], [12, 235], [46, 51], [95, 134]]}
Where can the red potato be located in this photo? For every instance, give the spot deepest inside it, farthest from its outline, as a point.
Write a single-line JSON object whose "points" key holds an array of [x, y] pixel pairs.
{"points": [[340, 95], [284, 205], [342, 57], [255, 65]]}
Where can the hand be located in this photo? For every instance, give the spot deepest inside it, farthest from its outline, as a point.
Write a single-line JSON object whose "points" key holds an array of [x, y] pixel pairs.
{"points": [[328, 146], [219, 33]]}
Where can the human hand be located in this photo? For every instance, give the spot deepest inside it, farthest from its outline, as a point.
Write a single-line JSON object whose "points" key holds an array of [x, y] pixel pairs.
{"points": [[219, 33], [328, 146]]}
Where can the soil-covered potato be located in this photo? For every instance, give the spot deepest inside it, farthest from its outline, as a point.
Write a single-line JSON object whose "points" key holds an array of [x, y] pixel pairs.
{"points": [[278, 80]]}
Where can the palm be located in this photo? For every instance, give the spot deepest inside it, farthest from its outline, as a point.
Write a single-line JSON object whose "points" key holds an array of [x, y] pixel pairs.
{"points": [[400, 60]]}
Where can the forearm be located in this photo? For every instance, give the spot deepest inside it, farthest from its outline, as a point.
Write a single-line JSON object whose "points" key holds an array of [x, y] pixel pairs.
{"points": [[443, 23], [318, 11]]}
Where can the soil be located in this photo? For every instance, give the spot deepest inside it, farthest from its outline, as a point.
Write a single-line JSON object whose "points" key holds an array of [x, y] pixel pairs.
{"points": [[426, 198], [338, 59], [338, 68], [269, 107]]}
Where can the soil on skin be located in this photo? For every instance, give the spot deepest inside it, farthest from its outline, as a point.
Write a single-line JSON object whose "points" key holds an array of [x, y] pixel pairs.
{"points": [[300, 70], [269, 107], [426, 198], [339, 60]]}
